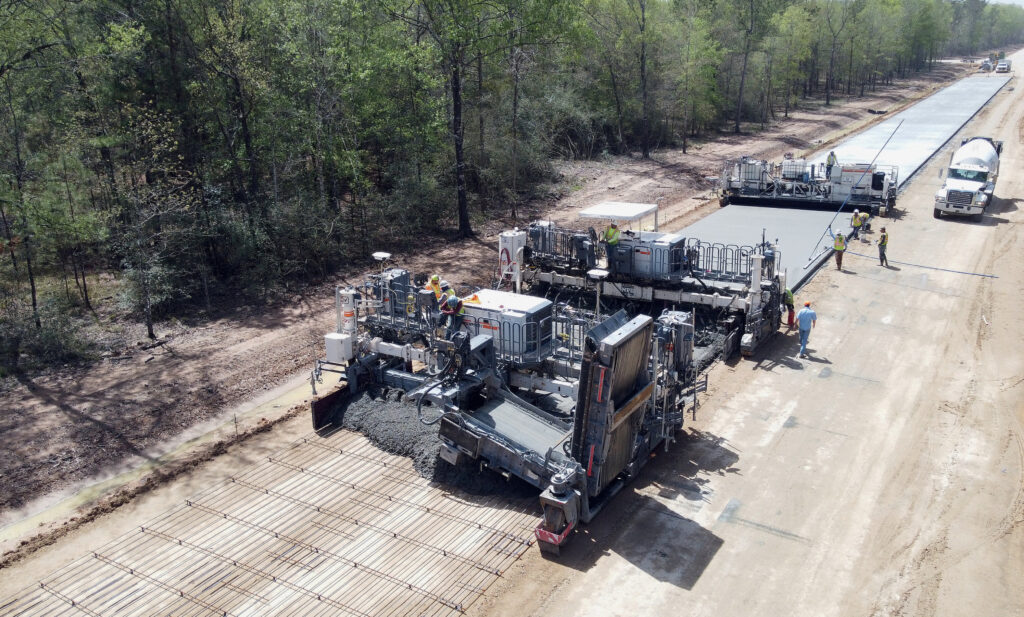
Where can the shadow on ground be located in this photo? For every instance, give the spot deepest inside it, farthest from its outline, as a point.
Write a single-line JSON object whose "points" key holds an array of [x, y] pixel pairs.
{"points": [[641, 527]]}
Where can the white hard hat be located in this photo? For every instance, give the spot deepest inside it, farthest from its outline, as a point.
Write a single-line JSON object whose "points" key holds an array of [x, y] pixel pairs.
{"points": [[856, 211], [445, 285]]}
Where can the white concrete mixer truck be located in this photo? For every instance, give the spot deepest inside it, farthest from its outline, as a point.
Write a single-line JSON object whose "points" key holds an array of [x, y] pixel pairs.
{"points": [[970, 179]]}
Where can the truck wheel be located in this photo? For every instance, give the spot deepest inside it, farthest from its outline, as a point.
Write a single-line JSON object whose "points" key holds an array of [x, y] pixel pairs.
{"points": [[936, 213]]}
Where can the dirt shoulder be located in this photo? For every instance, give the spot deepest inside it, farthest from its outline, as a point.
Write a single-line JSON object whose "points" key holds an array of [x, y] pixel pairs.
{"points": [[70, 428]]}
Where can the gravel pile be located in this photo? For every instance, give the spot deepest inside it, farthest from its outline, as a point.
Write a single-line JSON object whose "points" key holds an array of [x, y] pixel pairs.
{"points": [[393, 426]]}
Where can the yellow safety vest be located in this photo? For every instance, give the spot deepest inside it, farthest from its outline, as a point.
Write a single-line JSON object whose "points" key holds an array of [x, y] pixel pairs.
{"points": [[789, 296], [883, 240], [855, 221], [611, 236], [840, 243], [436, 288]]}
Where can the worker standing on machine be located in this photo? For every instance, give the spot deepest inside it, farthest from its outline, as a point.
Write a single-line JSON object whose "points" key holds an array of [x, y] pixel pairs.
{"points": [[831, 162], [855, 222], [787, 299], [839, 244], [452, 312], [446, 291], [434, 285], [611, 235]]}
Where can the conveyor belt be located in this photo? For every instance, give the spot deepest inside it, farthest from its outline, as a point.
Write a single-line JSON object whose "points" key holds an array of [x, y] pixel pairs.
{"points": [[520, 426]]}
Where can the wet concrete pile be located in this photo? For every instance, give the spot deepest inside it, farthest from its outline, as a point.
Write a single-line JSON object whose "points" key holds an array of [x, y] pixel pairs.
{"points": [[391, 423]]}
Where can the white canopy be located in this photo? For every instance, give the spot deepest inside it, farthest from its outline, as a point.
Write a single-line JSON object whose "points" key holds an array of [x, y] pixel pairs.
{"points": [[620, 211]]}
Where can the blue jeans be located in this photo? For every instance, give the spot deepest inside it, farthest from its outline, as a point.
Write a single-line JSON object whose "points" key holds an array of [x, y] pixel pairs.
{"points": [[804, 335]]}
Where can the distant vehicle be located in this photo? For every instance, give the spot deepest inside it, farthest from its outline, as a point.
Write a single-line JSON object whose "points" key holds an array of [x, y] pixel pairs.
{"points": [[985, 66], [1003, 66], [971, 178]]}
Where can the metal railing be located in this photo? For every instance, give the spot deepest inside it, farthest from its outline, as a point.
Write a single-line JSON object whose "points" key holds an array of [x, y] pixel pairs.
{"points": [[558, 245], [518, 342], [722, 261]]}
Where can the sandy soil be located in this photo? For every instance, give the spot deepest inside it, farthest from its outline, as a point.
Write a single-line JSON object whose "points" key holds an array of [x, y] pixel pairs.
{"points": [[68, 429], [882, 476]]}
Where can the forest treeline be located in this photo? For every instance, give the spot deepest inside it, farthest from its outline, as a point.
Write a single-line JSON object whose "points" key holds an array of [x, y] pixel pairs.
{"points": [[203, 149]]}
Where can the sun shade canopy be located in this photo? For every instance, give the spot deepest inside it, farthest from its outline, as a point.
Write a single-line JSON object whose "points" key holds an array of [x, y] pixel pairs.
{"points": [[620, 211]]}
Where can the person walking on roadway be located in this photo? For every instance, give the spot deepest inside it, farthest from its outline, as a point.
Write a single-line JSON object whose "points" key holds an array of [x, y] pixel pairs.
{"points": [[839, 244], [855, 223], [883, 243], [831, 162], [807, 319]]}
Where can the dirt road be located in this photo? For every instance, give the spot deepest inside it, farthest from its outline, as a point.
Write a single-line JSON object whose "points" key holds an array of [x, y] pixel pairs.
{"points": [[69, 428], [881, 476]]}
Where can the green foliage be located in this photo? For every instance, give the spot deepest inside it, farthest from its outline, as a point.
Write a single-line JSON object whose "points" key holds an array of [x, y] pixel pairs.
{"points": [[23, 346], [232, 148]]}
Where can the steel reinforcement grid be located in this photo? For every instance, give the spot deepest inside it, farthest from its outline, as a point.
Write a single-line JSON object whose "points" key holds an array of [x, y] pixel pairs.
{"points": [[328, 526]]}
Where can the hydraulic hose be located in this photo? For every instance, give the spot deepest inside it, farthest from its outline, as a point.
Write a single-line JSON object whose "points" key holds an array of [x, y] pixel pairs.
{"points": [[419, 401]]}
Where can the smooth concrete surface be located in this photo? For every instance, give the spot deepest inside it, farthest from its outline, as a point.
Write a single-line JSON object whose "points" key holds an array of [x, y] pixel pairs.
{"points": [[803, 235], [798, 233], [926, 127]]}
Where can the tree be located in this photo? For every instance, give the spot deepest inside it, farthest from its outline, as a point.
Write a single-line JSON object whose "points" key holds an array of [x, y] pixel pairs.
{"points": [[157, 200], [700, 55]]}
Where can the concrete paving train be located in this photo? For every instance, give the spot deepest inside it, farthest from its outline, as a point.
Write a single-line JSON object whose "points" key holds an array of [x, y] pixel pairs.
{"points": [[620, 385], [612, 350]]}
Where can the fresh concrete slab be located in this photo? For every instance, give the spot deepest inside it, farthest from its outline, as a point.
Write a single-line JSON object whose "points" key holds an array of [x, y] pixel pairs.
{"points": [[804, 236], [926, 127]]}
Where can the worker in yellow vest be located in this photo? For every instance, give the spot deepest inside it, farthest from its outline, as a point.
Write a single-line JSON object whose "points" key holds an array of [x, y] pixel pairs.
{"points": [[446, 291], [855, 222], [839, 244], [865, 224], [452, 313], [434, 285], [883, 243], [830, 163], [611, 235]]}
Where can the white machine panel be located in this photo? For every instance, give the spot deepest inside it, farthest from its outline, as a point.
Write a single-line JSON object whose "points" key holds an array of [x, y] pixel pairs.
{"points": [[340, 348]]}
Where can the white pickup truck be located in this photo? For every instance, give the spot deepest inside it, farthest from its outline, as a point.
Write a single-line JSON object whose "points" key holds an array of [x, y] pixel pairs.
{"points": [[970, 179]]}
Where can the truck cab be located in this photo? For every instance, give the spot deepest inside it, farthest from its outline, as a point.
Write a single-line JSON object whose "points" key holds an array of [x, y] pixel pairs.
{"points": [[970, 178]]}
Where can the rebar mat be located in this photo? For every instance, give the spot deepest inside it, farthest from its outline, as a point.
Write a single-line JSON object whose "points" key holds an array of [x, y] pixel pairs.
{"points": [[328, 526]]}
